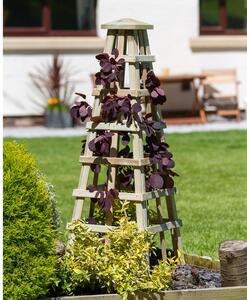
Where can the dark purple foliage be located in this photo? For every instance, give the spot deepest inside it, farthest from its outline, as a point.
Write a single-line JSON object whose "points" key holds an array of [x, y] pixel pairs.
{"points": [[167, 176], [103, 196], [125, 176], [110, 108], [136, 108], [115, 106], [150, 126], [125, 152], [157, 94], [125, 139], [100, 145], [81, 109], [158, 153], [111, 69], [95, 168], [91, 220], [156, 181]]}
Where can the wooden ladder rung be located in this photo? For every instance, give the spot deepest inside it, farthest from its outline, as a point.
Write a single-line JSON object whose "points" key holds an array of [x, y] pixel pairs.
{"points": [[115, 161], [159, 193], [138, 58], [165, 226], [151, 229], [137, 197], [122, 92], [100, 228], [112, 127], [79, 193]]}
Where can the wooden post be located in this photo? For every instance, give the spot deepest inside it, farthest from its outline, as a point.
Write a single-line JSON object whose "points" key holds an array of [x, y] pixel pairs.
{"points": [[233, 263]]}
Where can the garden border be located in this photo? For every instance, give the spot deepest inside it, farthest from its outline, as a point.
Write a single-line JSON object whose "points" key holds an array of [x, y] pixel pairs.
{"points": [[236, 293]]}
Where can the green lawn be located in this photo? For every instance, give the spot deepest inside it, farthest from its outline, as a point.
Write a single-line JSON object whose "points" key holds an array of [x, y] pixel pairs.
{"points": [[212, 187]]}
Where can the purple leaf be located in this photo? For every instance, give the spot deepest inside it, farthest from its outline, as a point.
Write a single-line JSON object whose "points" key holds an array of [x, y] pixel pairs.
{"points": [[158, 125], [160, 91], [156, 181], [107, 204], [91, 146], [83, 111], [95, 168], [125, 139], [113, 62], [102, 56], [111, 70], [107, 67], [115, 52], [154, 94], [74, 111], [136, 107], [109, 134], [125, 176], [91, 220], [121, 61], [148, 116], [114, 193], [91, 188], [157, 94], [89, 111], [124, 152]]}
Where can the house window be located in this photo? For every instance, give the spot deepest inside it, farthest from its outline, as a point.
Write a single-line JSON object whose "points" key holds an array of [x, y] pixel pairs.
{"points": [[49, 17], [223, 16]]}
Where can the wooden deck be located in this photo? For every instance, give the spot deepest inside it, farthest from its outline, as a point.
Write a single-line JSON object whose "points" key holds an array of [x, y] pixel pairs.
{"points": [[183, 120]]}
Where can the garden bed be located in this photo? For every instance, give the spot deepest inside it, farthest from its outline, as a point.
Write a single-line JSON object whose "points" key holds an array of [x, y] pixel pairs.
{"points": [[205, 266], [236, 293]]}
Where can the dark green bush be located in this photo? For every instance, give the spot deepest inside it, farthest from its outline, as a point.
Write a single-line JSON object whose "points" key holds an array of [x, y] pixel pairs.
{"points": [[29, 230]]}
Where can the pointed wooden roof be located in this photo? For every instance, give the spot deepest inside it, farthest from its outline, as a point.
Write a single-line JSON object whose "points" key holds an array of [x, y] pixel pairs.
{"points": [[127, 24]]}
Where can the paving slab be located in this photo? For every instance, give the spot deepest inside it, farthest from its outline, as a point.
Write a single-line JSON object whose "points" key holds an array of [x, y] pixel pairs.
{"points": [[39, 131]]}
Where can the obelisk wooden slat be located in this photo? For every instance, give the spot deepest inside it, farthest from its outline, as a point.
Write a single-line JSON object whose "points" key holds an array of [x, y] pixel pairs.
{"points": [[131, 39]]}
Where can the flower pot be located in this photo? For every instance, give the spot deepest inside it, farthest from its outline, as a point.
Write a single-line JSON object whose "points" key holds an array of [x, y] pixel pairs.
{"points": [[58, 119]]}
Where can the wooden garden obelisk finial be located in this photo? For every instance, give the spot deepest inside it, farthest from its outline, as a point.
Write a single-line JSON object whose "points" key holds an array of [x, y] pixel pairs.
{"points": [[130, 38]]}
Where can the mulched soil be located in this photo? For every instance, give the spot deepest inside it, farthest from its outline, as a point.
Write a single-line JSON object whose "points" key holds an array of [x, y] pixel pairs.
{"points": [[193, 277]]}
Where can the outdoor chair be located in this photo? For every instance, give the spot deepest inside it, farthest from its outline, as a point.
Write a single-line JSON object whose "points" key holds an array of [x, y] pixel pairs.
{"points": [[220, 93]]}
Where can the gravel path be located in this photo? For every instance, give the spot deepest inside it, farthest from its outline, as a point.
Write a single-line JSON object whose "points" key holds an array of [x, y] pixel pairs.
{"points": [[36, 131]]}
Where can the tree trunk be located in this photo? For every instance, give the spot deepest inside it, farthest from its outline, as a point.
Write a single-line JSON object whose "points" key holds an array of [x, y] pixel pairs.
{"points": [[233, 262]]}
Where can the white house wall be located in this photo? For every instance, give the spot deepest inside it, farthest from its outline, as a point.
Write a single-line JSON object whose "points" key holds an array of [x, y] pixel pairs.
{"points": [[175, 23], [21, 98]]}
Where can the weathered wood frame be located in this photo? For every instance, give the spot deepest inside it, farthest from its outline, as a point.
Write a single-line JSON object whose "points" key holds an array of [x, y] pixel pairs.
{"points": [[129, 37]]}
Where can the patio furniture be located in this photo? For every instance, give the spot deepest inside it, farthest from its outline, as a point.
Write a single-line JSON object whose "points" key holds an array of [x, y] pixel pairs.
{"points": [[220, 93], [188, 81]]}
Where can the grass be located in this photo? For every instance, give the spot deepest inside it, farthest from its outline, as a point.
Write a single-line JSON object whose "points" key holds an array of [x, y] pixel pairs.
{"points": [[212, 187]]}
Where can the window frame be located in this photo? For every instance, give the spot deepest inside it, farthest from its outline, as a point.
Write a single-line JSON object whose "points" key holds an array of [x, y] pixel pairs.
{"points": [[222, 28], [45, 29]]}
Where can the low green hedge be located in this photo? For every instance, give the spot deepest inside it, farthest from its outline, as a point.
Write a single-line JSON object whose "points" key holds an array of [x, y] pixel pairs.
{"points": [[29, 231]]}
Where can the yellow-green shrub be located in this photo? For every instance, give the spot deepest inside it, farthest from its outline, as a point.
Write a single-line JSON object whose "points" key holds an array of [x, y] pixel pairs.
{"points": [[28, 243], [116, 264]]}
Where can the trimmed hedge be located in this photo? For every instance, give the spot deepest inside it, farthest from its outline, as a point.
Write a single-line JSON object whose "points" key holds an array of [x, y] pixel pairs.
{"points": [[29, 231]]}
